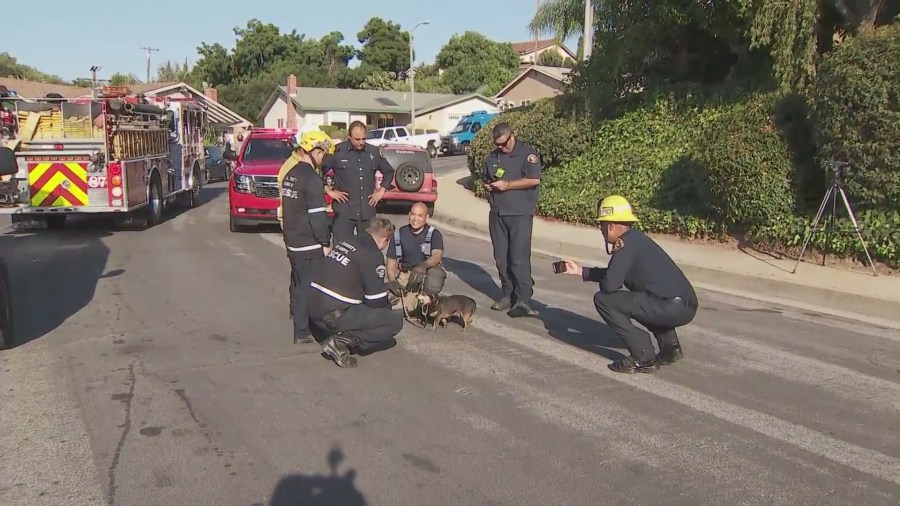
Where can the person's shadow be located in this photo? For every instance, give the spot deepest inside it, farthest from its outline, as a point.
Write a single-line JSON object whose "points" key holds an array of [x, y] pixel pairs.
{"points": [[318, 489], [571, 328]]}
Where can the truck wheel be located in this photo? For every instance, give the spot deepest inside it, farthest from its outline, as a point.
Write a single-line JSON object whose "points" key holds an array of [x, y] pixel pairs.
{"points": [[7, 337], [154, 210], [465, 148], [432, 150], [196, 186]]}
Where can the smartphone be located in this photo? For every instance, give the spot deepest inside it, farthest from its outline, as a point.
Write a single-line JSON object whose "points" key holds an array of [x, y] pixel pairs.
{"points": [[559, 267]]}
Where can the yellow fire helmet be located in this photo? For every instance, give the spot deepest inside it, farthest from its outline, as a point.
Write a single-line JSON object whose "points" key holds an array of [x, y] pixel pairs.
{"points": [[616, 209], [312, 139]]}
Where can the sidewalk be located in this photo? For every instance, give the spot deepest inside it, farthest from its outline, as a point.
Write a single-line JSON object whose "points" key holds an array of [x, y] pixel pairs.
{"points": [[840, 291]]}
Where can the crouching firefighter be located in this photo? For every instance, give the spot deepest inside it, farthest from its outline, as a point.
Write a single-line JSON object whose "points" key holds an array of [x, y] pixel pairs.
{"points": [[659, 296], [414, 259], [303, 220], [349, 300]]}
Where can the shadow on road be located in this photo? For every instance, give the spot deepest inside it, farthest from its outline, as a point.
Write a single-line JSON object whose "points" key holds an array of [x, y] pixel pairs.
{"points": [[53, 275], [318, 489], [571, 328]]}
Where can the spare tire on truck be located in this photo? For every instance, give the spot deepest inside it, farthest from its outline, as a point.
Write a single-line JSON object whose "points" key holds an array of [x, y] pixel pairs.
{"points": [[410, 177]]}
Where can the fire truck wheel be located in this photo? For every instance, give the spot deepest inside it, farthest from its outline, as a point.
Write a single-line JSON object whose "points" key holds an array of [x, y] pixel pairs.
{"points": [[56, 221], [196, 185], [154, 210], [6, 310]]}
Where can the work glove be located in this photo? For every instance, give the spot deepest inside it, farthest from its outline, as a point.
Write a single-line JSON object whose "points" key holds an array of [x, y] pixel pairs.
{"points": [[417, 275], [395, 288]]}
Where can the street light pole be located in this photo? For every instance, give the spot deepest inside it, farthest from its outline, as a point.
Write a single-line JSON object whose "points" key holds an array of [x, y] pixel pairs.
{"points": [[412, 79]]}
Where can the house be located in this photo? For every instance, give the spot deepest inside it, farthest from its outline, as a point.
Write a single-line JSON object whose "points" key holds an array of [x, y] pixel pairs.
{"points": [[529, 51], [532, 84], [222, 119], [338, 108]]}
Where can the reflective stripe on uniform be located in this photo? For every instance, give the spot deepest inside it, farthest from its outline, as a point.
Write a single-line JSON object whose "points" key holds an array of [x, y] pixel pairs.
{"points": [[305, 248], [426, 246], [376, 296], [333, 294], [316, 210]]}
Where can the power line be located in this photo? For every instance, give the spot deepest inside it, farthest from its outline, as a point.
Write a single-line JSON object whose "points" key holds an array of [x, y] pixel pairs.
{"points": [[149, 50]]}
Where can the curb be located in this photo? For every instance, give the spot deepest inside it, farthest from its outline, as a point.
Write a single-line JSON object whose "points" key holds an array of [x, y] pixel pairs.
{"points": [[866, 309]]}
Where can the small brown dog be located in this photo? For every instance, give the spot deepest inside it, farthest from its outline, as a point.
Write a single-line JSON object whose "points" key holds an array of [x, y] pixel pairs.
{"points": [[445, 307]]}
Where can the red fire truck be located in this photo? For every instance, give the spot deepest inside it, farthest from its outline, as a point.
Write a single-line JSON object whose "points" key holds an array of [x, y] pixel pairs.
{"points": [[120, 153]]}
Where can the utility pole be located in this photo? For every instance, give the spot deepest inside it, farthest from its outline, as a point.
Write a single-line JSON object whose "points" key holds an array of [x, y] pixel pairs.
{"points": [[412, 80], [149, 50], [94, 70], [588, 38]]}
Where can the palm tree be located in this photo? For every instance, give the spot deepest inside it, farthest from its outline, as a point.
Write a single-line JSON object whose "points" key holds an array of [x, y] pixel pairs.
{"points": [[558, 18]]}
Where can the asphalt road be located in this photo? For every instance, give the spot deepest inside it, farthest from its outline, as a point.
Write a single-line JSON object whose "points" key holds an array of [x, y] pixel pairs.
{"points": [[446, 164], [156, 367]]}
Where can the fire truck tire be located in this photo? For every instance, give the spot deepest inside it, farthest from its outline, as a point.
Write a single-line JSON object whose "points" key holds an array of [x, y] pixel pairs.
{"points": [[56, 221], [6, 310], [154, 210], [196, 186]]}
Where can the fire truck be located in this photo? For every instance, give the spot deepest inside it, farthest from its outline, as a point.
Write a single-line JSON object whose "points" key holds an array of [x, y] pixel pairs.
{"points": [[120, 154]]}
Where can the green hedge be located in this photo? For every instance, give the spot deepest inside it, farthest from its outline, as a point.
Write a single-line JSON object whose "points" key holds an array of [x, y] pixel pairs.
{"points": [[726, 169], [558, 136], [858, 112]]}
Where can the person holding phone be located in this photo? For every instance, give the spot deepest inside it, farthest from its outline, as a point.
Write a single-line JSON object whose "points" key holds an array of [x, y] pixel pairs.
{"points": [[512, 177], [658, 296]]}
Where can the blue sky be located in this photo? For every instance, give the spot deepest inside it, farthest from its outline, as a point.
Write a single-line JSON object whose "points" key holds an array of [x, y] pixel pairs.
{"points": [[69, 38]]}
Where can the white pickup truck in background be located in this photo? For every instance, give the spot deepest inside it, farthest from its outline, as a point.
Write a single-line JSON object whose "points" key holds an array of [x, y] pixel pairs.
{"points": [[399, 135]]}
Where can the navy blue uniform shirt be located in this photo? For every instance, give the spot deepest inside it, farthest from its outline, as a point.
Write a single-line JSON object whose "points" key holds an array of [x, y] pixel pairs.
{"points": [[354, 173], [522, 162], [411, 246]]}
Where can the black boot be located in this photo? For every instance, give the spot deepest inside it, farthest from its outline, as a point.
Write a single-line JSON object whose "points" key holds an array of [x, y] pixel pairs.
{"points": [[669, 354], [630, 365], [501, 305], [335, 348]]}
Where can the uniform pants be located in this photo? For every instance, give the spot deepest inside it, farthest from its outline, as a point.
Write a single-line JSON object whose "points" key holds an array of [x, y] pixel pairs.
{"points": [[302, 269], [511, 238], [435, 277], [345, 225], [660, 316], [375, 327]]}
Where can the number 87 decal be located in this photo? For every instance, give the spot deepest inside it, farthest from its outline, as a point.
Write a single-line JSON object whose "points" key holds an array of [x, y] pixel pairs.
{"points": [[97, 182]]}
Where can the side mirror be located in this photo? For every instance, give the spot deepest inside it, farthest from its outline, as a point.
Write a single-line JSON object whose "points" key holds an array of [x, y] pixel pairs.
{"points": [[229, 154], [8, 166]]}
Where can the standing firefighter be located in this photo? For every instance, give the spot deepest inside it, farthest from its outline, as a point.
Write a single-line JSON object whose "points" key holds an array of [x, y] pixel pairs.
{"points": [[355, 195], [512, 176], [659, 296], [304, 221]]}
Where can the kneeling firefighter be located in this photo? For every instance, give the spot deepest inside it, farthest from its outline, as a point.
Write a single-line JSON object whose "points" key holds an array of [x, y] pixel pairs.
{"points": [[304, 222], [659, 296], [414, 260]]}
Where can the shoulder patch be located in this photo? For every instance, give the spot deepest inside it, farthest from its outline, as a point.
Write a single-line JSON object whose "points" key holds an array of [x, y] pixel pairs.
{"points": [[618, 245], [380, 271], [532, 158]]}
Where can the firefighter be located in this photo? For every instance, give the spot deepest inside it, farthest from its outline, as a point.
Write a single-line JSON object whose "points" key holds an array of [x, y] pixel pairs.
{"points": [[355, 196], [304, 221], [349, 298], [512, 176], [659, 296], [414, 257]]}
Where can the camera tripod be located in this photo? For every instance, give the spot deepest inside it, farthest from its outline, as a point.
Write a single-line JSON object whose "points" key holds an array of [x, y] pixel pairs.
{"points": [[831, 194]]}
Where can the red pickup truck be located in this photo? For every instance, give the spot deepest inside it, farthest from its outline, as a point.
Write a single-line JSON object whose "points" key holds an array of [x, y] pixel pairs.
{"points": [[253, 189]]}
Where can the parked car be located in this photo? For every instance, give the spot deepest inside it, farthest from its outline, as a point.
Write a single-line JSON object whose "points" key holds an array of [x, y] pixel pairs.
{"points": [[399, 135], [414, 179], [217, 167], [253, 192]]}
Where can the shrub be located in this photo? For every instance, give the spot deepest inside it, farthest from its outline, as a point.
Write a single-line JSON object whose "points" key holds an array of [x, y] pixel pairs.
{"points": [[557, 136], [858, 112], [749, 165]]}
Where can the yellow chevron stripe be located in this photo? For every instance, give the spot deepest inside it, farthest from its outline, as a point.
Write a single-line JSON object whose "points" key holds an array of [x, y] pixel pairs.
{"points": [[37, 171], [55, 181], [78, 170]]}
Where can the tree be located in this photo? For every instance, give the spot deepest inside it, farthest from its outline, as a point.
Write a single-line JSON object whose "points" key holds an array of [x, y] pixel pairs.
{"points": [[215, 65], [385, 47], [170, 73], [472, 62], [119, 79], [558, 18], [10, 67]]}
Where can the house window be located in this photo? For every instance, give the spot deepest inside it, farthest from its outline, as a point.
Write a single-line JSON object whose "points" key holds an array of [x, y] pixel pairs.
{"points": [[385, 122], [525, 102], [280, 122]]}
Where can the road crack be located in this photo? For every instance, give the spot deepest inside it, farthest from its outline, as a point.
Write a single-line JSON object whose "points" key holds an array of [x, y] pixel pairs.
{"points": [[126, 428]]}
